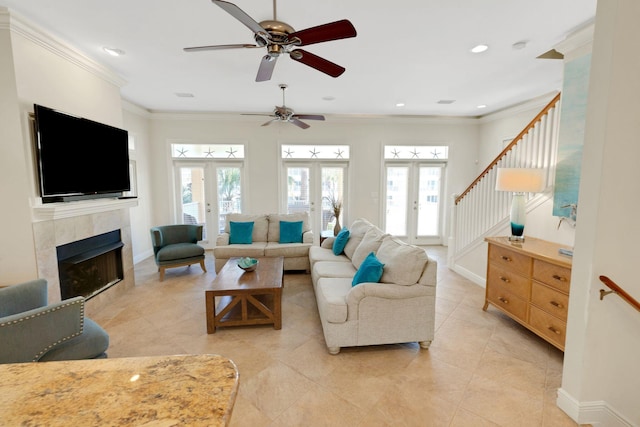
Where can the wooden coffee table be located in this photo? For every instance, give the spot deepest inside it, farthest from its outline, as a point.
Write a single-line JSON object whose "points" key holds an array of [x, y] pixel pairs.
{"points": [[246, 298]]}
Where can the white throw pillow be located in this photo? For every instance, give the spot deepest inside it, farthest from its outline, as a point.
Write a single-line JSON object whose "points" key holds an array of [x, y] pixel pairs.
{"points": [[356, 232], [403, 263], [370, 243]]}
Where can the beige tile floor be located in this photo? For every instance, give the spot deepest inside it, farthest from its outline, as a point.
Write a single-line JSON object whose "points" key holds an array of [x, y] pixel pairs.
{"points": [[482, 369]]}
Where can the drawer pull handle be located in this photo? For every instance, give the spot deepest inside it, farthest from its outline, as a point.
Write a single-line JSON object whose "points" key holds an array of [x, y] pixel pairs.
{"points": [[503, 300], [560, 278], [505, 279], [506, 258], [554, 330], [556, 304]]}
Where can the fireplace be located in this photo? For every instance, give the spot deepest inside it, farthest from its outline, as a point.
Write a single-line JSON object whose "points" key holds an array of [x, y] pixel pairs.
{"points": [[89, 266]]}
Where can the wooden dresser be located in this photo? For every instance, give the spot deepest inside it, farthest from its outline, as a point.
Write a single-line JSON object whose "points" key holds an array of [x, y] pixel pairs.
{"points": [[530, 281]]}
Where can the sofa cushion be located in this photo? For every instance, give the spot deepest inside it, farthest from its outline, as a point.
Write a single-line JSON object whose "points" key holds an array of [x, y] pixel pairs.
{"points": [[255, 249], [179, 251], [358, 229], [290, 232], [287, 250], [340, 241], [404, 263], [370, 243], [273, 234], [331, 295], [334, 269], [317, 253], [240, 232], [370, 271], [260, 224]]}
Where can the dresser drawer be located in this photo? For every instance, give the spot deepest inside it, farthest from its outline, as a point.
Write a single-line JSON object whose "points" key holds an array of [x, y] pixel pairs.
{"points": [[550, 327], [550, 300], [508, 279], [512, 260], [552, 275], [504, 299]]}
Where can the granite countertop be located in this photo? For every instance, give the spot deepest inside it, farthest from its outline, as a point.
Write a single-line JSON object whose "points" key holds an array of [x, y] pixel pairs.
{"points": [[193, 390]]}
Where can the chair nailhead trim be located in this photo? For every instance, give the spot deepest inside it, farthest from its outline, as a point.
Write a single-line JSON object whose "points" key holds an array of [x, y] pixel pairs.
{"points": [[51, 310]]}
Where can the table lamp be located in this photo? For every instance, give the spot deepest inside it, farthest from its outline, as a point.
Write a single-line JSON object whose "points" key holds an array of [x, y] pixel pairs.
{"points": [[519, 181]]}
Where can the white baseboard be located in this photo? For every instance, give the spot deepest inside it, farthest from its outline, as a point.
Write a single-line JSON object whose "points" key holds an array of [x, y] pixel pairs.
{"points": [[597, 413], [468, 274], [141, 257]]}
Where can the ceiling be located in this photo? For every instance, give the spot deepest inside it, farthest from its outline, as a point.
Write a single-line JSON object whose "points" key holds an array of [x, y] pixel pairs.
{"points": [[415, 52]]}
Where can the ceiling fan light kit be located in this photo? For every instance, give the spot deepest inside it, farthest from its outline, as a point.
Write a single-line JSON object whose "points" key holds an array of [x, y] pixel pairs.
{"points": [[281, 38]]}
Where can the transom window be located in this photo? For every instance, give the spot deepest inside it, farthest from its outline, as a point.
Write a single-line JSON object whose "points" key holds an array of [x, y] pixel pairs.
{"points": [[315, 152], [413, 152], [207, 151]]}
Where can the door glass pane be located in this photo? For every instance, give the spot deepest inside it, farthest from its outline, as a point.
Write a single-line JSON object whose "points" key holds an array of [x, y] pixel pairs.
{"points": [[396, 204], [297, 189], [332, 196], [193, 196], [429, 200], [229, 193]]}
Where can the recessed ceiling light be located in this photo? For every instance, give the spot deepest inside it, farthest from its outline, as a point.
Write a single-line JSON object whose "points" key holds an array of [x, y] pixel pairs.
{"points": [[184, 95], [113, 51], [482, 106], [479, 48], [399, 104], [519, 45]]}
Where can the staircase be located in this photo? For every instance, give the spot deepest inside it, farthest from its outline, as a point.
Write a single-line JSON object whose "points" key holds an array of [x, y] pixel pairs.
{"points": [[480, 210]]}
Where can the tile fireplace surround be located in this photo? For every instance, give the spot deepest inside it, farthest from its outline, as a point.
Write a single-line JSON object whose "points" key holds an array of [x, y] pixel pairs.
{"points": [[57, 224]]}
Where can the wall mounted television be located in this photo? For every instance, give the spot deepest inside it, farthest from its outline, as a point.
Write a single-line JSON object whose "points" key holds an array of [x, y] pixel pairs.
{"points": [[78, 158]]}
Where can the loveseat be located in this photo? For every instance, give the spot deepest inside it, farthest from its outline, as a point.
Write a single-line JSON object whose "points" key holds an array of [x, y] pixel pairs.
{"points": [[397, 308], [259, 235]]}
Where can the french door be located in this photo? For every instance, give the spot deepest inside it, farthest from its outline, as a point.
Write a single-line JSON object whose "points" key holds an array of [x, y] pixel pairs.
{"points": [[413, 208], [316, 188], [206, 192]]}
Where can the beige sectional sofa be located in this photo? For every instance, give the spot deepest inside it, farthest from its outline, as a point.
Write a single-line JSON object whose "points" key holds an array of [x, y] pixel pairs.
{"points": [[266, 240], [400, 308]]}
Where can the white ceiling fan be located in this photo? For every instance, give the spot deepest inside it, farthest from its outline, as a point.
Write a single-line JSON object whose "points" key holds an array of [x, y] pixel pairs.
{"points": [[284, 114]]}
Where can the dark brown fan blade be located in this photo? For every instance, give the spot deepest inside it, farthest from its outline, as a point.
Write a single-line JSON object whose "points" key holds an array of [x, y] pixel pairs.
{"points": [[269, 122], [323, 33], [308, 116], [266, 68], [218, 47], [314, 61], [241, 16], [298, 123]]}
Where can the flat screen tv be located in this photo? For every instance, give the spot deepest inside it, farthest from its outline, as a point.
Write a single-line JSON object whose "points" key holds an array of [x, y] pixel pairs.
{"points": [[79, 158]]}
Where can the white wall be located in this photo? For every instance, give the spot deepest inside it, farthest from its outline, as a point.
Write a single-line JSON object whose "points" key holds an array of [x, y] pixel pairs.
{"points": [[601, 375], [17, 254], [366, 137], [35, 68]]}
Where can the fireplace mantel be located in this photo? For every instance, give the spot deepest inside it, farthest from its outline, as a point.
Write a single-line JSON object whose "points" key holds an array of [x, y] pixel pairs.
{"points": [[51, 211]]}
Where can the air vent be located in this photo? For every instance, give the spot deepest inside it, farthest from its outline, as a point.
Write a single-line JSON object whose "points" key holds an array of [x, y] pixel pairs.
{"points": [[184, 95], [446, 101]]}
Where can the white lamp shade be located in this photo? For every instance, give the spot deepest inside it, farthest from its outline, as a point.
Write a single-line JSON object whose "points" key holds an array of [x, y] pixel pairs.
{"points": [[520, 180]]}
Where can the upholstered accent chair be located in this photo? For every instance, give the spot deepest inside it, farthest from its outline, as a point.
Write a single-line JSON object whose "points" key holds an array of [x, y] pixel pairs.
{"points": [[32, 331], [177, 246]]}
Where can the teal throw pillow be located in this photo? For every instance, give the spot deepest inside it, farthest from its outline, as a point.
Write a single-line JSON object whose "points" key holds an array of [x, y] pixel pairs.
{"points": [[290, 231], [370, 270], [340, 241], [240, 232]]}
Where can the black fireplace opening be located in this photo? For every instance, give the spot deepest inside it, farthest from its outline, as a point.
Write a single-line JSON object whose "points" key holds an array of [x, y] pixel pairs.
{"points": [[90, 266]]}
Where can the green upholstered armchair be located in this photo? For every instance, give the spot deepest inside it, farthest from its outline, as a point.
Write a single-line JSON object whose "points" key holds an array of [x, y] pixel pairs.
{"points": [[176, 246], [32, 331]]}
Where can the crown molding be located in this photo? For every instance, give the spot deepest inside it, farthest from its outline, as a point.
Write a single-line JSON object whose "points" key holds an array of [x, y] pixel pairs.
{"points": [[578, 43], [18, 25]]}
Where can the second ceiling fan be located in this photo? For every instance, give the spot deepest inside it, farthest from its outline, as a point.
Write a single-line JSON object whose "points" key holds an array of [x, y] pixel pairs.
{"points": [[279, 37], [284, 114]]}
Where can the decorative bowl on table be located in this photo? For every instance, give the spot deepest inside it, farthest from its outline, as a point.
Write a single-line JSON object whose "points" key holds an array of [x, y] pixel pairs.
{"points": [[248, 264]]}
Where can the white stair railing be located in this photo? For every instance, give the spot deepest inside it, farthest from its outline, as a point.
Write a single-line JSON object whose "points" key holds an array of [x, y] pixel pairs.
{"points": [[480, 207]]}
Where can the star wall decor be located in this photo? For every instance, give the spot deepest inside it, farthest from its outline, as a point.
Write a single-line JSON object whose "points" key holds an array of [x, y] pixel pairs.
{"points": [[435, 154], [314, 153], [231, 153], [182, 152], [288, 153], [339, 154], [209, 153], [396, 153], [415, 154]]}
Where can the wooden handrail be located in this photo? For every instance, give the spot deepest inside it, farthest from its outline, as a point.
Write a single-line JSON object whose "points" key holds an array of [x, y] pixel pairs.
{"points": [[618, 290], [513, 143]]}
